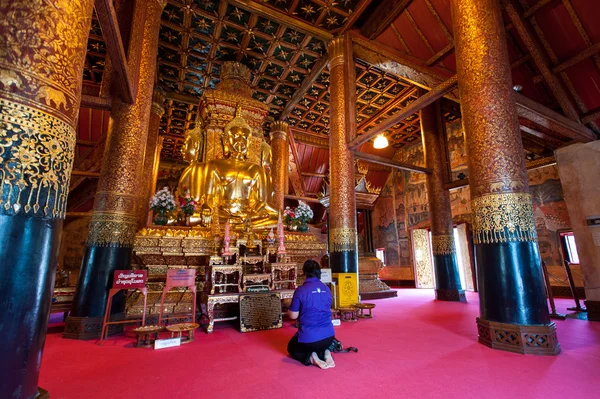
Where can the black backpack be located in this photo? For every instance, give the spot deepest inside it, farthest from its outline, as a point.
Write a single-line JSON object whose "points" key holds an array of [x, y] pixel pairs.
{"points": [[337, 347]]}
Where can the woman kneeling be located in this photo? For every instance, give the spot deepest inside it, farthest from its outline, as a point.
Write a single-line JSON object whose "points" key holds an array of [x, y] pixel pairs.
{"points": [[311, 305]]}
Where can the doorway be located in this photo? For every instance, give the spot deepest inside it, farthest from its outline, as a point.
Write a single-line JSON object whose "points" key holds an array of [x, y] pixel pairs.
{"points": [[463, 256], [422, 259]]}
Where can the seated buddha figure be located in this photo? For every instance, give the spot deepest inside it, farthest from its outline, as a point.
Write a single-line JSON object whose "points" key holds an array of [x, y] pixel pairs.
{"points": [[238, 188]]}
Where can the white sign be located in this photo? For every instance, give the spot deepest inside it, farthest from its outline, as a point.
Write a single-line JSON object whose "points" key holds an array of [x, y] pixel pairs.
{"points": [[596, 236], [326, 276], [336, 322], [167, 343]]}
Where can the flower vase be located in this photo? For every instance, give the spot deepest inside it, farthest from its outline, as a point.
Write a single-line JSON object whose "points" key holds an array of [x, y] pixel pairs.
{"points": [[293, 225], [188, 220], [303, 227], [160, 218]]}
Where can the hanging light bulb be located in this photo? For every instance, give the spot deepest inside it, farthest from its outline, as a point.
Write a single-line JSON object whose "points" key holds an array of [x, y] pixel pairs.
{"points": [[380, 142]]}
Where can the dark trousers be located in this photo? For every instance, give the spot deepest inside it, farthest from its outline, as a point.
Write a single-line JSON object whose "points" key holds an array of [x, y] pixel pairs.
{"points": [[301, 351]]}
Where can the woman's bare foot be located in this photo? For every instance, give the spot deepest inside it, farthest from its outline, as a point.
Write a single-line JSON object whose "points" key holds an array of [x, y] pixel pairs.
{"points": [[314, 359], [329, 359]]}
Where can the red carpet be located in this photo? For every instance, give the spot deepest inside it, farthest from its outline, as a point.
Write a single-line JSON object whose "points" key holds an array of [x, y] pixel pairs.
{"points": [[414, 347]]}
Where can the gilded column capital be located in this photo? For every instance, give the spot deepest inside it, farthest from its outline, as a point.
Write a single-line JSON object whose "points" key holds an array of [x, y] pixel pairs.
{"points": [[504, 217], [280, 129], [442, 244], [40, 90], [335, 49]]}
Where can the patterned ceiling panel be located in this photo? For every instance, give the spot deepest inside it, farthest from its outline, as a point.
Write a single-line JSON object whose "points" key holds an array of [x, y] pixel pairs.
{"points": [[198, 35], [331, 15], [178, 118], [379, 95]]}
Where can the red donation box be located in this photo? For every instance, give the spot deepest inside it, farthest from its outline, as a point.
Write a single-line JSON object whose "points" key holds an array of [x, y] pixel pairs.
{"points": [[125, 279]]}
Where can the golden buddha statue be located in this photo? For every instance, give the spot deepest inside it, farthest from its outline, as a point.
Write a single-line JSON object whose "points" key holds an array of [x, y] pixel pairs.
{"points": [[233, 188]]}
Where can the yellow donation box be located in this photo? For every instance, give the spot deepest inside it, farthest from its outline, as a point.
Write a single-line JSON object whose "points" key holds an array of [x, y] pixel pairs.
{"points": [[346, 289]]}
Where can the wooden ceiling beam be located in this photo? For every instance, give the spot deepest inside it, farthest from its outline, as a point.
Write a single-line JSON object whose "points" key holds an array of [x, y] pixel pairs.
{"points": [[96, 102], [426, 99], [539, 138], [85, 173], [109, 23], [302, 198], [533, 9], [306, 85], [360, 8], [311, 174], [281, 18], [541, 61], [391, 163], [395, 63], [184, 98], [313, 140], [409, 91], [585, 54], [591, 115], [440, 54], [86, 143], [385, 15], [545, 117], [530, 165]]}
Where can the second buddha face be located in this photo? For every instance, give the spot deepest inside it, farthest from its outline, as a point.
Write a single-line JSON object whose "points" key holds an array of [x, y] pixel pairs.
{"points": [[238, 140]]}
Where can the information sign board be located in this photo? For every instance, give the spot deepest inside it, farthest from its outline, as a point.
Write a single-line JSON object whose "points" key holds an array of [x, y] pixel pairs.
{"points": [[125, 279]]}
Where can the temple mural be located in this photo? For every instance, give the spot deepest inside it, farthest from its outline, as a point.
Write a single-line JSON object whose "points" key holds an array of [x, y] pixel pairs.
{"points": [[403, 206]]}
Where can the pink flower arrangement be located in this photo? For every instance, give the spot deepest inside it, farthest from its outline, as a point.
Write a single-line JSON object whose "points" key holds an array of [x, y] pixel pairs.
{"points": [[288, 214], [186, 203]]}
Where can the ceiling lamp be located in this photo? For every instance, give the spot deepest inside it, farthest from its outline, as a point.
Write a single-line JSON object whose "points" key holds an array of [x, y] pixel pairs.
{"points": [[380, 142]]}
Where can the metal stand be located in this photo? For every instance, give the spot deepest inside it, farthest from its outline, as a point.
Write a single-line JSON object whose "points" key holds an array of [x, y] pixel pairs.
{"points": [[553, 315], [577, 307], [107, 322]]}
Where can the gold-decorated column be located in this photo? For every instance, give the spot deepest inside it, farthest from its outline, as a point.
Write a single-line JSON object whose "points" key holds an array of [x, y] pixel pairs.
{"points": [[343, 248], [447, 278], [41, 66], [154, 181], [152, 155], [514, 312], [280, 161], [114, 220]]}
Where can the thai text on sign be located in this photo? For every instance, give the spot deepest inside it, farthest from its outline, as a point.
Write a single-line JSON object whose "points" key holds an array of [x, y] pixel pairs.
{"points": [[129, 279], [181, 277]]}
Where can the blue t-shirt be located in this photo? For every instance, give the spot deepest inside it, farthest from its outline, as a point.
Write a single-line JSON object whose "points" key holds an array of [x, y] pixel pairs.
{"points": [[313, 300]]}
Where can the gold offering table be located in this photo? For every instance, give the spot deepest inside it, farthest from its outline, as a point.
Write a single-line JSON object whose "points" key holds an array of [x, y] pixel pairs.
{"points": [[159, 249], [210, 302], [224, 276], [284, 275]]}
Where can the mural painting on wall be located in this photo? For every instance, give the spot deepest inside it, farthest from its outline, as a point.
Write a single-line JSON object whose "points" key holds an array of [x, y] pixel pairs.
{"points": [[415, 190], [549, 211], [456, 149], [384, 231], [403, 242]]}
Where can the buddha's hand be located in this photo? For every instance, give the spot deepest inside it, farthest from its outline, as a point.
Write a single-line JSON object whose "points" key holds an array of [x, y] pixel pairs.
{"points": [[206, 215]]}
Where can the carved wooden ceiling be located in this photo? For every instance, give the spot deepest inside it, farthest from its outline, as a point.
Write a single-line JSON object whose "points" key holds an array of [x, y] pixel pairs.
{"points": [[284, 44], [560, 35]]}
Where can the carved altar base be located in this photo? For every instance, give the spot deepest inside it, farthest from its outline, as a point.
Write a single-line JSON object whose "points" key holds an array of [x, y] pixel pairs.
{"points": [[160, 248], [370, 286]]}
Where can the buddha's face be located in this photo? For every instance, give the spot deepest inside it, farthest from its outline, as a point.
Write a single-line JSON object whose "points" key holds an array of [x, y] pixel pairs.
{"points": [[238, 140]]}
